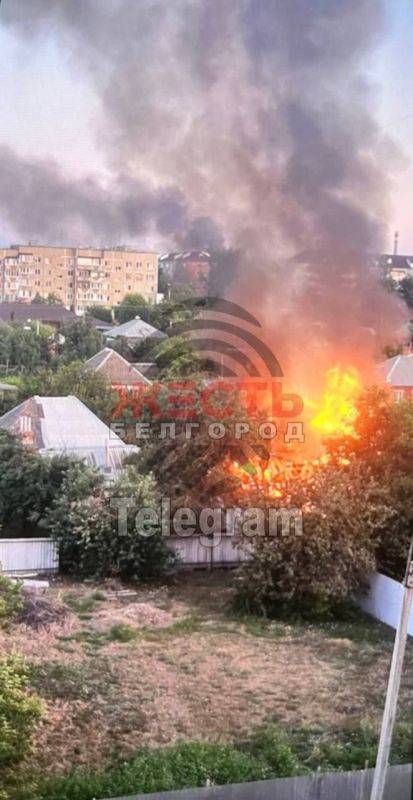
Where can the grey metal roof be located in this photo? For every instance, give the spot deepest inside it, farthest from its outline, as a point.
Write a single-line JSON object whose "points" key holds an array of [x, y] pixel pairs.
{"points": [[22, 312], [398, 371], [135, 329], [57, 425]]}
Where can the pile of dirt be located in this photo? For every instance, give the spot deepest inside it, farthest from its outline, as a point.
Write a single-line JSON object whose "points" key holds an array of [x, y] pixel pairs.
{"points": [[39, 611]]}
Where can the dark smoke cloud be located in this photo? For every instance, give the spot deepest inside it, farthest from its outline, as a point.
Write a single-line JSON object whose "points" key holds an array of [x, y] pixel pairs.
{"points": [[248, 122], [38, 198]]}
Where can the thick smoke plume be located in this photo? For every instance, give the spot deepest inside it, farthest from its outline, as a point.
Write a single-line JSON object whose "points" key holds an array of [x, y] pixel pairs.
{"points": [[242, 121]]}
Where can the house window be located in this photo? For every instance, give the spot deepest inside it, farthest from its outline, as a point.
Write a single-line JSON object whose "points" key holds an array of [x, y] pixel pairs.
{"points": [[399, 395]]}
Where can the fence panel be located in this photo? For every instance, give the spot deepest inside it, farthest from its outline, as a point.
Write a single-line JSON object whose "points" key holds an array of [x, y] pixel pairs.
{"points": [[195, 551], [384, 600], [322, 786], [20, 556]]}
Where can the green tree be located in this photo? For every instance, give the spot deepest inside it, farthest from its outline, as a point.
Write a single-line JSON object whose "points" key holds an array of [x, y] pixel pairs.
{"points": [[28, 484], [103, 313], [382, 445], [357, 515], [130, 307], [81, 340], [51, 299], [73, 379], [23, 481], [26, 346], [84, 520]]}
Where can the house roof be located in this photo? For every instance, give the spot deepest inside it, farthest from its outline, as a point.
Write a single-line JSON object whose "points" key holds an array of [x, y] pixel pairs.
{"points": [[398, 371], [115, 368], [64, 425], [189, 255], [100, 325], [135, 329], [22, 312], [397, 261]]}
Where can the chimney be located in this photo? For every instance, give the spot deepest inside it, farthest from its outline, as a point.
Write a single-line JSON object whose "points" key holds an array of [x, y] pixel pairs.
{"points": [[396, 243]]}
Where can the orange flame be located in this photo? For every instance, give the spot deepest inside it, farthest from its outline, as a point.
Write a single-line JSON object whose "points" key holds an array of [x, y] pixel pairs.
{"points": [[338, 410], [335, 413]]}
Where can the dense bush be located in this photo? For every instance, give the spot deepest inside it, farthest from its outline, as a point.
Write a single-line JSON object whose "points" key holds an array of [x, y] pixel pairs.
{"points": [[18, 712], [26, 346], [382, 446], [85, 523], [357, 514], [182, 766], [28, 484], [316, 569], [11, 601]]}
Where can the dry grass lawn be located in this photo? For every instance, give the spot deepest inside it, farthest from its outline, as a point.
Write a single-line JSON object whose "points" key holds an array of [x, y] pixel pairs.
{"points": [[172, 663]]}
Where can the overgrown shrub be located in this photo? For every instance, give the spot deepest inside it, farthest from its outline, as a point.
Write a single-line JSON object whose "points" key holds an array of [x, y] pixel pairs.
{"points": [[92, 539], [182, 766], [28, 484], [11, 600], [19, 712], [319, 568], [271, 752], [382, 446]]}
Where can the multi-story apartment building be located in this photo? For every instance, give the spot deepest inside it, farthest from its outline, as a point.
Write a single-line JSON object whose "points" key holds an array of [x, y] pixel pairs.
{"points": [[191, 269], [80, 277]]}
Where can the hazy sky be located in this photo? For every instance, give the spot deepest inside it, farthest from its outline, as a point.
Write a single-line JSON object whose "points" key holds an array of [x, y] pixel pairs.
{"points": [[49, 108]]}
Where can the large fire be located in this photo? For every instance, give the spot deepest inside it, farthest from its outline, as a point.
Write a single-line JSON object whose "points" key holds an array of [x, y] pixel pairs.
{"points": [[334, 413], [338, 410]]}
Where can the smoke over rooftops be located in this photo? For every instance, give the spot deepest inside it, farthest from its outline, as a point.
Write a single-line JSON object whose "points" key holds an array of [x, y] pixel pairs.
{"points": [[244, 123]]}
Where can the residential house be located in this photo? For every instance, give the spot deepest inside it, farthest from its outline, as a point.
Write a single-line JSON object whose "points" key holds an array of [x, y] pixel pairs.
{"points": [[64, 425], [397, 267], [54, 315], [118, 372], [134, 332], [397, 373]]}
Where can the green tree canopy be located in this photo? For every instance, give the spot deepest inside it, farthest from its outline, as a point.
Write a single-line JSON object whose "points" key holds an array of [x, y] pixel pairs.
{"points": [[76, 379], [25, 347], [130, 307], [81, 340]]}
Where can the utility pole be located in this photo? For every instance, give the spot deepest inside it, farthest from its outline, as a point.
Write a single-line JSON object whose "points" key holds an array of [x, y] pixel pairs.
{"points": [[389, 715]]}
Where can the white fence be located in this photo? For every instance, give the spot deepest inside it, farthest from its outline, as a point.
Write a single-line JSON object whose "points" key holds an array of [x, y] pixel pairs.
{"points": [[28, 556], [203, 552], [322, 786], [384, 600]]}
